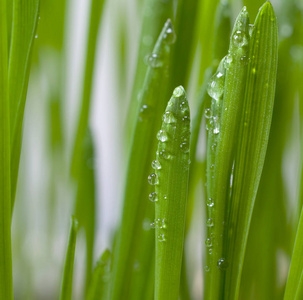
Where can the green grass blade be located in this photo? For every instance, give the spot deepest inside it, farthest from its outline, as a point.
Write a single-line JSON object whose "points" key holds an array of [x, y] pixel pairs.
{"points": [[171, 184], [6, 278], [85, 204], [223, 123], [155, 13], [100, 277], [94, 22], [67, 282], [152, 105], [294, 283], [252, 146], [25, 19]]}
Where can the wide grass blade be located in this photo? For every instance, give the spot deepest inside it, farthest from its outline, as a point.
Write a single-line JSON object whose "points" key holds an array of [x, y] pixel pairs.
{"points": [[94, 22], [227, 89], [152, 105], [67, 282], [254, 134], [171, 185], [25, 19], [6, 278]]}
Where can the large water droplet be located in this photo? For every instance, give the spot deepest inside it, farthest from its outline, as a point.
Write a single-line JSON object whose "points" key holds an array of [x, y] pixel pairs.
{"points": [[227, 61], [154, 60], [162, 136], [222, 264], [156, 165], [153, 179], [153, 197], [169, 36], [215, 86], [169, 117], [178, 91]]}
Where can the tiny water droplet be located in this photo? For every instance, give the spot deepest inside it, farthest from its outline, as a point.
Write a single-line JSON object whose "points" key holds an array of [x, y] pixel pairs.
{"points": [[156, 165], [154, 60], [161, 237], [165, 154], [153, 179], [153, 197], [152, 225], [165, 197], [208, 242], [145, 112], [36, 36], [240, 39], [184, 147], [210, 251], [227, 61], [209, 222], [162, 136], [208, 113], [169, 117], [214, 146], [222, 264], [210, 202], [186, 119], [206, 268]]}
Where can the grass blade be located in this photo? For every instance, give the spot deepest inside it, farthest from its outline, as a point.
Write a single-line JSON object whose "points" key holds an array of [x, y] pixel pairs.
{"points": [[152, 105], [95, 19], [171, 180], [25, 19], [6, 277], [67, 282], [254, 134], [100, 277], [223, 123]]}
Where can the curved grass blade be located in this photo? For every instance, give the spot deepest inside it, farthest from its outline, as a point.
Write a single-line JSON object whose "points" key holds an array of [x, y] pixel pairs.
{"points": [[25, 19], [252, 145], [67, 282], [6, 277], [95, 19], [100, 277], [155, 13], [294, 284], [227, 89], [171, 184], [152, 105]]}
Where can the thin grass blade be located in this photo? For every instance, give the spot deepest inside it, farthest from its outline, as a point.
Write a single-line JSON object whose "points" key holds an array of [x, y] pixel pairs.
{"points": [[171, 185], [6, 277], [67, 282]]}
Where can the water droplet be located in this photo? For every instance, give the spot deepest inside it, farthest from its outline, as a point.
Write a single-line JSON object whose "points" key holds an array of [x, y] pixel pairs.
{"points": [[165, 154], [210, 251], [161, 237], [169, 117], [152, 225], [162, 136], [154, 60], [178, 91], [216, 129], [186, 119], [214, 146], [227, 61], [206, 268], [161, 223], [144, 113], [156, 165], [153, 197], [222, 264], [36, 36], [153, 179], [165, 197], [210, 202], [170, 35], [208, 113], [215, 86], [209, 222], [184, 147], [208, 242], [250, 29], [240, 39]]}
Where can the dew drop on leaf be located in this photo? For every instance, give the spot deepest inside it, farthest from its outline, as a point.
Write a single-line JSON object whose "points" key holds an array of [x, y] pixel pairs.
{"points": [[153, 197], [153, 179], [156, 165]]}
